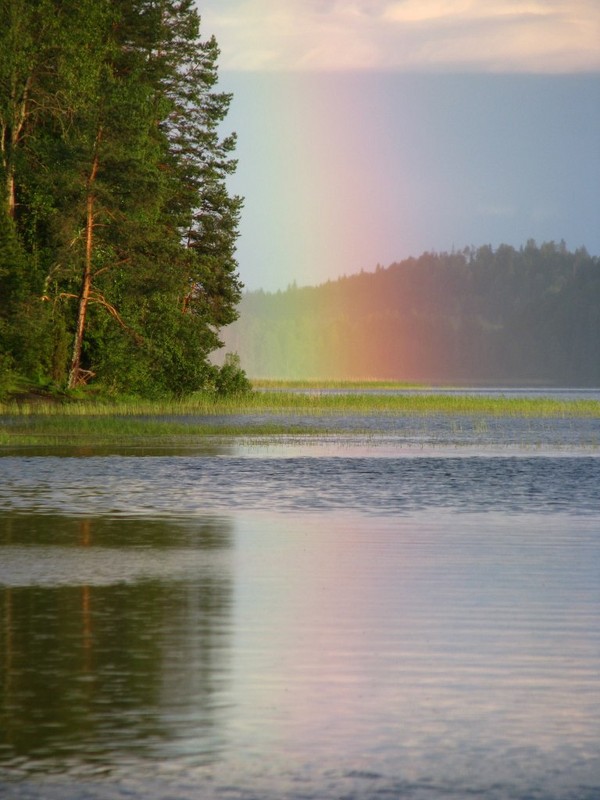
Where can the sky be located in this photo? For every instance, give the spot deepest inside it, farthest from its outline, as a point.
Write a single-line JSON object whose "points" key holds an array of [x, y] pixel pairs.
{"points": [[373, 130]]}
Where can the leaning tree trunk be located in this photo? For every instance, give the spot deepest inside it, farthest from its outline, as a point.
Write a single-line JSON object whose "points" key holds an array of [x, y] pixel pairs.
{"points": [[76, 374]]}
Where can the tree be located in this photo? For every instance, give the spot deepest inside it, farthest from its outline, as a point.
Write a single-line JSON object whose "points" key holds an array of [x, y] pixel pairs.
{"points": [[119, 189], [504, 316], [25, 45]]}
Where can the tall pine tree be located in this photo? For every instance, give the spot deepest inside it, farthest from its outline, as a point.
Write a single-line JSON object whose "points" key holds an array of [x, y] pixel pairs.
{"points": [[122, 198]]}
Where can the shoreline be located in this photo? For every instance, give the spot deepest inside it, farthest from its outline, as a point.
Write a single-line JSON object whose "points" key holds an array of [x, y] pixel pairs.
{"points": [[269, 413]]}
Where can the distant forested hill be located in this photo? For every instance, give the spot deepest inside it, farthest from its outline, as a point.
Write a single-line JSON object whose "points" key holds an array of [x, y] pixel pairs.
{"points": [[529, 316]]}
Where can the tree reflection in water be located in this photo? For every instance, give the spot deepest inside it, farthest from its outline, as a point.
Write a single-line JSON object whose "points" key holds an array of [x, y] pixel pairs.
{"points": [[94, 670]]}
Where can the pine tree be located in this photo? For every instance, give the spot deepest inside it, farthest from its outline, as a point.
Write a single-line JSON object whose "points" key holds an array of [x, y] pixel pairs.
{"points": [[121, 198]]}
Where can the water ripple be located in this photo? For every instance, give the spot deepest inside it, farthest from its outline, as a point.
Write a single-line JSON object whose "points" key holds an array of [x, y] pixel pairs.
{"points": [[183, 486]]}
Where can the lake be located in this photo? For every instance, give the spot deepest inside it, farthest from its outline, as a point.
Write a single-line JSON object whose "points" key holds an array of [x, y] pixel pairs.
{"points": [[411, 611]]}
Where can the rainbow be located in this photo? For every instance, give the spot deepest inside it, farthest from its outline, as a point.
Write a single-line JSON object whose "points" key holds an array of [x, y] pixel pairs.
{"points": [[342, 171]]}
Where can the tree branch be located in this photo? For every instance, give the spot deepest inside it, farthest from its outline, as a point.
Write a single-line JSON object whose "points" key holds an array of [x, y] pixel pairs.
{"points": [[96, 297]]}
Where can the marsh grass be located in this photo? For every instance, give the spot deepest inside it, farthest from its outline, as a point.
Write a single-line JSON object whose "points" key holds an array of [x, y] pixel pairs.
{"points": [[61, 429], [277, 402], [257, 413]]}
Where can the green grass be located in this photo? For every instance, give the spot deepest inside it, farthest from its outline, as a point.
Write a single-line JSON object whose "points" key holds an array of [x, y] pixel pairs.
{"points": [[185, 421], [88, 431], [281, 402]]}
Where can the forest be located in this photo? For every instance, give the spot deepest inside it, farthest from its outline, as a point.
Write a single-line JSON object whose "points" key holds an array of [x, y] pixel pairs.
{"points": [[501, 316], [117, 231]]}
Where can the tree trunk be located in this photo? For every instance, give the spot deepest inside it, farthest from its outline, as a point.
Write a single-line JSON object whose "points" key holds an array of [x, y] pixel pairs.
{"points": [[11, 131], [10, 193], [75, 372], [9, 141]]}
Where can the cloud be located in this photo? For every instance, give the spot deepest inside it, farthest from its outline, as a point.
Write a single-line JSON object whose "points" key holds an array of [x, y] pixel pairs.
{"points": [[479, 35], [410, 11]]}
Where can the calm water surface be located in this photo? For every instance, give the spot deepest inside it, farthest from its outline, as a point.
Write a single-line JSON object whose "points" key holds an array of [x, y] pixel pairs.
{"points": [[349, 617]]}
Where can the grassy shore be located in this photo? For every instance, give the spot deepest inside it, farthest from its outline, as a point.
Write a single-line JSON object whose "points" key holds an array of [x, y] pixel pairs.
{"points": [[300, 403], [46, 421]]}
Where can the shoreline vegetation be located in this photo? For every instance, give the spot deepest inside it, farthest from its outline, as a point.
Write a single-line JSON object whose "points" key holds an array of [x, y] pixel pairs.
{"points": [[270, 409]]}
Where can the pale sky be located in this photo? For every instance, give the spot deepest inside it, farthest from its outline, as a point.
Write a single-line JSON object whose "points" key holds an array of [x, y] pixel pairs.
{"points": [[373, 130], [482, 35]]}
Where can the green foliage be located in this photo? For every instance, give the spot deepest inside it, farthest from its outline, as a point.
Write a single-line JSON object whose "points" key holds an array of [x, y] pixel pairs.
{"points": [[24, 320], [231, 378], [118, 233]]}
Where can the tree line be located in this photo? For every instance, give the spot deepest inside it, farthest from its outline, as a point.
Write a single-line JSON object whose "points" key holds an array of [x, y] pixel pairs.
{"points": [[481, 315], [117, 231]]}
